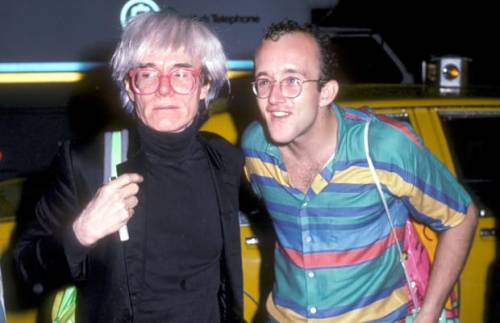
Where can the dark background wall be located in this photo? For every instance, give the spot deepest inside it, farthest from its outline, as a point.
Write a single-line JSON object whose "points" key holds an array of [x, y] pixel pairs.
{"points": [[419, 29], [54, 30]]}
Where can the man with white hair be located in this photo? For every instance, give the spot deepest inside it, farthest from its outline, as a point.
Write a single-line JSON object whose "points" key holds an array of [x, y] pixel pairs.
{"points": [[177, 193]]}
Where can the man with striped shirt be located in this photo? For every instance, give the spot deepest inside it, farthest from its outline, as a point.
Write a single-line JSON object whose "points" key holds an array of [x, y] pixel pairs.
{"points": [[336, 259]]}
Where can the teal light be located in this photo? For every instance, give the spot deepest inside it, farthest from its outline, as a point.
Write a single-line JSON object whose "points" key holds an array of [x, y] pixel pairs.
{"points": [[240, 64], [40, 67]]}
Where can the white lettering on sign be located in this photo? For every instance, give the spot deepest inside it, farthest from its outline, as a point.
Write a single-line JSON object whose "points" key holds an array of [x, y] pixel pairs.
{"points": [[135, 7], [225, 19]]}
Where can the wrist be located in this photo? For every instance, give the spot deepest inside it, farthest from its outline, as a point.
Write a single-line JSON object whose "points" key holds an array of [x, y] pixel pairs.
{"points": [[427, 314], [80, 233]]}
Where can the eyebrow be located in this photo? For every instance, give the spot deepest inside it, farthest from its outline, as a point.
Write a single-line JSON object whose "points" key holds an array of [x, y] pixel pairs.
{"points": [[286, 71], [178, 65]]}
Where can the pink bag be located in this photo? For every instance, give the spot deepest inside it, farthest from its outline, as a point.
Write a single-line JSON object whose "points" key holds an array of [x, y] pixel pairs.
{"points": [[417, 263]]}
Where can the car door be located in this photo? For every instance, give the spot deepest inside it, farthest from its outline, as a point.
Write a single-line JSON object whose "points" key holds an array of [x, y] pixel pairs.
{"points": [[465, 139]]}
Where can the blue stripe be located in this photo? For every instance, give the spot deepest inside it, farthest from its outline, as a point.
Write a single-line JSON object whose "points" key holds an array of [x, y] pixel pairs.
{"points": [[282, 208], [49, 67], [326, 173], [39, 67], [348, 188]]}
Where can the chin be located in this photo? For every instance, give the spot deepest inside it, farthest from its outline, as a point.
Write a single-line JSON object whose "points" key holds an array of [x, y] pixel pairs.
{"points": [[280, 139], [169, 126]]}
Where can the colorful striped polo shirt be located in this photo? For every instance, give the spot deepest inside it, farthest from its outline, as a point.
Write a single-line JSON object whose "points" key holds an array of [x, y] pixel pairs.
{"points": [[335, 256]]}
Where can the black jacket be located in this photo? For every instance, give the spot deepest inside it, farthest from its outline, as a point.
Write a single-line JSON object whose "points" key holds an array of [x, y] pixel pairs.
{"points": [[48, 254]]}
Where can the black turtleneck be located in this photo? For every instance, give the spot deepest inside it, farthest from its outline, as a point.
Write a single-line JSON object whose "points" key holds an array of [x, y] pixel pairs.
{"points": [[182, 234]]}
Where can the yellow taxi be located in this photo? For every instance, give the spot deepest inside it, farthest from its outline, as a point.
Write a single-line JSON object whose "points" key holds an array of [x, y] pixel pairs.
{"points": [[457, 124]]}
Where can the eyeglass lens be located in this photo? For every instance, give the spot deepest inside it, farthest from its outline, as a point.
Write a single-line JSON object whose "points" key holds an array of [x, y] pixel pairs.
{"points": [[290, 87], [147, 80]]}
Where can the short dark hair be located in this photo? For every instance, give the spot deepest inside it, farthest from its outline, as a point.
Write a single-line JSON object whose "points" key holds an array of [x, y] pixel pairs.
{"points": [[327, 56]]}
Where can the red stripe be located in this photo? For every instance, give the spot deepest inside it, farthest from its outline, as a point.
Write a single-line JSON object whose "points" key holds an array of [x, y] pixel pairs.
{"points": [[402, 127], [353, 116], [341, 258]]}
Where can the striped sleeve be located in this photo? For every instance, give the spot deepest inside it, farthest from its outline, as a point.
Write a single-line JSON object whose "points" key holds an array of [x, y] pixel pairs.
{"points": [[251, 139], [410, 171]]}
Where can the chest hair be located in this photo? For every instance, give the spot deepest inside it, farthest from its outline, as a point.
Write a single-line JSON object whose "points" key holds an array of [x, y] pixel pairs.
{"points": [[301, 173]]}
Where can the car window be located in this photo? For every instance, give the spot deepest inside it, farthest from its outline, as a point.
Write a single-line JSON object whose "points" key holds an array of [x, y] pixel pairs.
{"points": [[362, 60], [473, 139]]}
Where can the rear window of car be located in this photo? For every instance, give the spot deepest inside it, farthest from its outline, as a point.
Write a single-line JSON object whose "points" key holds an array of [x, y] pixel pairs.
{"points": [[362, 60], [473, 139]]}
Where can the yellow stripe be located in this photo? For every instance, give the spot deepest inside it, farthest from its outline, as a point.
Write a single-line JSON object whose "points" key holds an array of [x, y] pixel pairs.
{"points": [[66, 77], [237, 74], [282, 314], [362, 175], [258, 167], [399, 187], [318, 184], [371, 312]]}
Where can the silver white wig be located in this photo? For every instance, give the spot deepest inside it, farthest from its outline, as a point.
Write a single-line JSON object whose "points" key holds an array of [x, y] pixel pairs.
{"points": [[163, 31]]}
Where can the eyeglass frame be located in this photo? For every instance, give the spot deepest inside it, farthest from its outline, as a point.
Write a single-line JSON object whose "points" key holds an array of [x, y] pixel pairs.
{"points": [[196, 72], [255, 92]]}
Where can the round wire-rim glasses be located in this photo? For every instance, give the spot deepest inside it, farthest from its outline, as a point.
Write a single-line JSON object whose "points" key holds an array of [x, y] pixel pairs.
{"points": [[147, 80], [290, 87]]}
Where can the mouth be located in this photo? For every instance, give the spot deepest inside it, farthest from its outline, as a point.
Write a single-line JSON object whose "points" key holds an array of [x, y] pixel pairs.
{"points": [[279, 113], [166, 108]]}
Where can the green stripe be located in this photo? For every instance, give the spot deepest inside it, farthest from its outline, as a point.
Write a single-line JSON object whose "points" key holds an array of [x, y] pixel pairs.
{"points": [[116, 153]]}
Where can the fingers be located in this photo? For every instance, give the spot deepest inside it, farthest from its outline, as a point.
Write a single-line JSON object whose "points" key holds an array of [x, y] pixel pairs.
{"points": [[121, 192], [122, 187], [111, 208], [124, 180], [131, 202]]}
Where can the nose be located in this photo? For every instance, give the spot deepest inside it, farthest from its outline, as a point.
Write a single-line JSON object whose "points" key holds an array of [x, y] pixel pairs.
{"points": [[164, 87], [276, 96]]}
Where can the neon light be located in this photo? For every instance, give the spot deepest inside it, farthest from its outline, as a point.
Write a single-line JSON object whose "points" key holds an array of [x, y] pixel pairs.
{"points": [[68, 77], [48, 67], [237, 74], [239, 64]]}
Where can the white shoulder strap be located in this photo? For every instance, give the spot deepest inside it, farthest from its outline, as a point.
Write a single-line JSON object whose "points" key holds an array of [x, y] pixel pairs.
{"points": [[376, 179]]}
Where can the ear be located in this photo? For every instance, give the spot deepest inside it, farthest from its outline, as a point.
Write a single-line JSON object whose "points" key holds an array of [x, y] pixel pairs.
{"points": [[131, 94], [328, 93], [204, 91]]}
